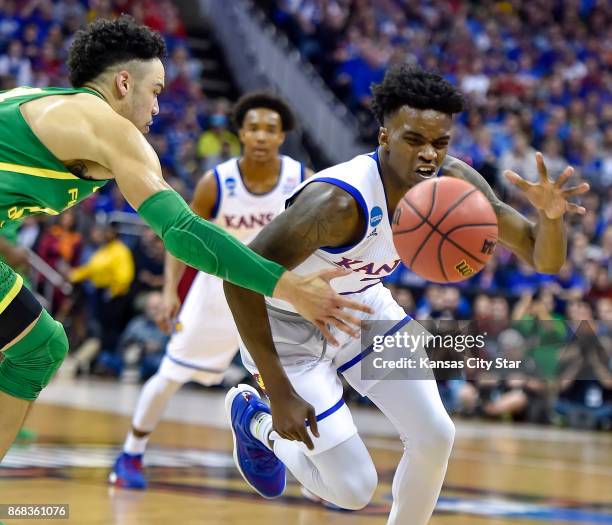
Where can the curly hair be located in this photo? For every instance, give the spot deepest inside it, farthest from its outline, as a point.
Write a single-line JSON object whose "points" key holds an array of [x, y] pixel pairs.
{"points": [[414, 87], [263, 99], [105, 43]]}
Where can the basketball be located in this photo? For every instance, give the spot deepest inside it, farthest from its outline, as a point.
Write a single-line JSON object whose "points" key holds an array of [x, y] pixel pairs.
{"points": [[445, 230]]}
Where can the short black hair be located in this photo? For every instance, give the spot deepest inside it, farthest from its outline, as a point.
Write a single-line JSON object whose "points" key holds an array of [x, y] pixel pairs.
{"points": [[267, 100], [417, 88], [105, 43]]}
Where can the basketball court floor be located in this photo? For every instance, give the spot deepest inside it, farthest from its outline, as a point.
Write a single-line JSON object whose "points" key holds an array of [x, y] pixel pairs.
{"points": [[498, 474]]}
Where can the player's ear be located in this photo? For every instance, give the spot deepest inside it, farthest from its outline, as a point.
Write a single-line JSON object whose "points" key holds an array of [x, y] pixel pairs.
{"points": [[122, 82], [383, 137]]}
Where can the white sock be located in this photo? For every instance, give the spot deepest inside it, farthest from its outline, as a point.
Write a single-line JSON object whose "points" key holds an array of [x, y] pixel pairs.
{"points": [[134, 445], [261, 426]]}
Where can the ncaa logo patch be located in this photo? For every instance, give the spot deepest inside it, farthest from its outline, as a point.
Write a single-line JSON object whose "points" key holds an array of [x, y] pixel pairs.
{"points": [[230, 186], [376, 216]]}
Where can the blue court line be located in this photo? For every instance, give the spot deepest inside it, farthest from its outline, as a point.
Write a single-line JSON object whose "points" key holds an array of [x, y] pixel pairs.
{"points": [[542, 513]]}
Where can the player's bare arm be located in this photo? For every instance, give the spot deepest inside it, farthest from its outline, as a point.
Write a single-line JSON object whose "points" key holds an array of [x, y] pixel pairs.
{"points": [[321, 215], [106, 144], [542, 244], [202, 204]]}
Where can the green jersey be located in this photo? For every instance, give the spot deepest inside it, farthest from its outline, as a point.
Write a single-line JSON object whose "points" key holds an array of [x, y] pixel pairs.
{"points": [[32, 179]]}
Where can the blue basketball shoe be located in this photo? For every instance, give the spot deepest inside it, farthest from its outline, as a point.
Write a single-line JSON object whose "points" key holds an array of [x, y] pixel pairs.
{"points": [[127, 472], [260, 468]]}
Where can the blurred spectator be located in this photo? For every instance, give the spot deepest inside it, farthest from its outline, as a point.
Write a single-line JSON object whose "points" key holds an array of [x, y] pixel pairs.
{"points": [[519, 394], [69, 8], [111, 270], [585, 397], [111, 266], [552, 150], [60, 246], [149, 254], [211, 142], [520, 159], [142, 343], [537, 59], [544, 330], [16, 64]]}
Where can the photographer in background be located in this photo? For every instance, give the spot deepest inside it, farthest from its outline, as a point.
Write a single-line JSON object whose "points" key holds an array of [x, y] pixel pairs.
{"points": [[585, 396]]}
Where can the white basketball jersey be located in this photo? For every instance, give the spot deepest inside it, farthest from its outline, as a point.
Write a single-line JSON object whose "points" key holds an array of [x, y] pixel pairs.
{"points": [[244, 214], [373, 256]]}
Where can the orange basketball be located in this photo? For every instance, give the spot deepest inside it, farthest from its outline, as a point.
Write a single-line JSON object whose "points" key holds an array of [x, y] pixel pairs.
{"points": [[445, 230]]}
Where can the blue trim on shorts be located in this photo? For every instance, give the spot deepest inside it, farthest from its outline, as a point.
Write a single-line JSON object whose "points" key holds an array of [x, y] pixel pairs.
{"points": [[329, 411], [215, 209], [192, 366], [370, 348], [302, 172]]}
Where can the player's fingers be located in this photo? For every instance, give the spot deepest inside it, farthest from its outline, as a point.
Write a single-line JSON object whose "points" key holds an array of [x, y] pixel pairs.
{"points": [[305, 437], [287, 436], [517, 180], [541, 167], [343, 302], [566, 174], [326, 333], [283, 432], [346, 317], [312, 422], [574, 208], [343, 327], [332, 273], [576, 190]]}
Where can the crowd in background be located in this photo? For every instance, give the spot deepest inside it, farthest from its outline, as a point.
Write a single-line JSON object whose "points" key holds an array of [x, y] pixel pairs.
{"points": [[537, 75]]}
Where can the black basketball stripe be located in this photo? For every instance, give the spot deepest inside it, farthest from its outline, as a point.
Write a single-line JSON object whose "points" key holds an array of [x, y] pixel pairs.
{"points": [[434, 228], [458, 246], [424, 219], [454, 243]]}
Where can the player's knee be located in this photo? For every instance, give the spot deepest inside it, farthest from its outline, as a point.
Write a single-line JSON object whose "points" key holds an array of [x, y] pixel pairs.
{"points": [[437, 439], [29, 365], [358, 489]]}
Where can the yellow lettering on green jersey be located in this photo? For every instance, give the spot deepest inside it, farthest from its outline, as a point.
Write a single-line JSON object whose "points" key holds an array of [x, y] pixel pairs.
{"points": [[15, 213], [74, 194]]}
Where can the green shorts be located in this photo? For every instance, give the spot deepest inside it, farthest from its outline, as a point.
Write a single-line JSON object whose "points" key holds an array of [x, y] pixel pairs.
{"points": [[18, 306]]}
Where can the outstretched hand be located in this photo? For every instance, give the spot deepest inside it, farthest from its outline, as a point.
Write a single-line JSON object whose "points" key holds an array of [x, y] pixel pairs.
{"points": [[548, 196], [315, 300]]}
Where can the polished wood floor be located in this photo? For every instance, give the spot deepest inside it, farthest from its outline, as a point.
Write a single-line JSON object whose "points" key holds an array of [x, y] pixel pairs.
{"points": [[490, 481]]}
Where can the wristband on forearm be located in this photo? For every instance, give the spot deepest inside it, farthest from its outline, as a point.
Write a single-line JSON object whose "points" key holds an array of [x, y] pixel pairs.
{"points": [[205, 246]]}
